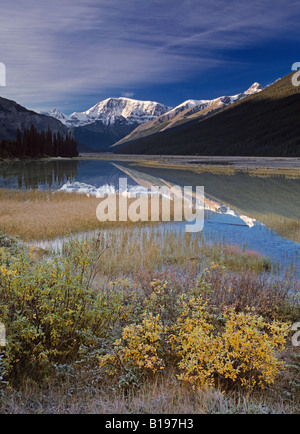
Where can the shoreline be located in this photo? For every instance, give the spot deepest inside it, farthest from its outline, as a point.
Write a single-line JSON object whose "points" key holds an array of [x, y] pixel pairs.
{"points": [[254, 166], [238, 162], [223, 164]]}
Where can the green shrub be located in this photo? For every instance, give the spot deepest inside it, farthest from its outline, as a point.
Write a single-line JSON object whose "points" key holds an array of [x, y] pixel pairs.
{"points": [[49, 310]]}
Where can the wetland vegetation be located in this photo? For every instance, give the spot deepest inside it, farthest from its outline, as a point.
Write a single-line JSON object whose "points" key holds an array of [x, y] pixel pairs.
{"points": [[133, 321], [144, 319]]}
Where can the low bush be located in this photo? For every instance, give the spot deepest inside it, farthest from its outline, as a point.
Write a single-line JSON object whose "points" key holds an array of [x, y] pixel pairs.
{"points": [[238, 349], [206, 345], [207, 326], [50, 311]]}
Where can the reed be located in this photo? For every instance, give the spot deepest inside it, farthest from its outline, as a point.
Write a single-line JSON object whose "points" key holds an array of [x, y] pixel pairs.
{"points": [[44, 215], [144, 251]]}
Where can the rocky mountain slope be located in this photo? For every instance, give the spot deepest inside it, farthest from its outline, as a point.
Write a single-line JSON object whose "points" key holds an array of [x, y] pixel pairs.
{"points": [[263, 124], [108, 121], [14, 116], [186, 112]]}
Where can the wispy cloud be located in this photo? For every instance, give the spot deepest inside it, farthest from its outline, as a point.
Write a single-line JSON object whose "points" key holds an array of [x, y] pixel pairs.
{"points": [[127, 94], [55, 52]]}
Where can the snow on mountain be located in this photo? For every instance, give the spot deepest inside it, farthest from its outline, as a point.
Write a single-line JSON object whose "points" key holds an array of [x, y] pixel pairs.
{"points": [[224, 100], [112, 111], [256, 87], [54, 113], [116, 111], [188, 104]]}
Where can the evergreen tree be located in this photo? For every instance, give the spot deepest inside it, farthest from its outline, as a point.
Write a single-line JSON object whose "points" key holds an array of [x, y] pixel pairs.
{"points": [[34, 144]]}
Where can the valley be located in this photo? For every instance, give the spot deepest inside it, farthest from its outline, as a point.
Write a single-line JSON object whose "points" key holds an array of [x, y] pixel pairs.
{"points": [[140, 278], [150, 210], [92, 291]]}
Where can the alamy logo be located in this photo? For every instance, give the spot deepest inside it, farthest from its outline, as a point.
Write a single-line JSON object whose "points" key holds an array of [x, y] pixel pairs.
{"points": [[296, 76], [296, 336], [2, 74], [2, 335], [154, 205]]}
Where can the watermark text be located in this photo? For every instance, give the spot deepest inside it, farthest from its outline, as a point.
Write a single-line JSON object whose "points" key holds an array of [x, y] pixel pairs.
{"points": [[2, 74], [296, 76], [155, 205], [2, 335]]}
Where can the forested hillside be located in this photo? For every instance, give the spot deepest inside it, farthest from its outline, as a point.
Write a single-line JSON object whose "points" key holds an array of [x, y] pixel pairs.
{"points": [[31, 143]]}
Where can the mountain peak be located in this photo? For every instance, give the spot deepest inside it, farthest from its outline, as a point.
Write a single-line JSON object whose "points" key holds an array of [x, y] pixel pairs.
{"points": [[114, 110], [256, 87], [54, 113], [185, 112]]}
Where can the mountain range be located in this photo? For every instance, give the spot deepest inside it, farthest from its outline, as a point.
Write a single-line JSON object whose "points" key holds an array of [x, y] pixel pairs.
{"points": [[118, 120], [255, 122], [265, 123], [186, 112], [108, 121]]}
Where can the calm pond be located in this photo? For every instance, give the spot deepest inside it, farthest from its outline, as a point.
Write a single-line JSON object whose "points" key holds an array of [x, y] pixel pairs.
{"points": [[258, 202]]}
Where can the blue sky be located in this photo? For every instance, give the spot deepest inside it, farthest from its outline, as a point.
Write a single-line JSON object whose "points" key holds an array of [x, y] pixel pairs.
{"points": [[70, 54]]}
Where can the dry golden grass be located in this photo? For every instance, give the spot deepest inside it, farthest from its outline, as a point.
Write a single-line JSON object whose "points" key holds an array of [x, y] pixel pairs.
{"points": [[44, 215], [165, 396]]}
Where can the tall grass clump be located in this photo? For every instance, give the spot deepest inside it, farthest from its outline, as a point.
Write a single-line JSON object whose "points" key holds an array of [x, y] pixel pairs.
{"points": [[44, 215]]}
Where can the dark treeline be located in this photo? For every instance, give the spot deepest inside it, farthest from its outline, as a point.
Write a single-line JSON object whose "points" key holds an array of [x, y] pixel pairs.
{"points": [[34, 144]]}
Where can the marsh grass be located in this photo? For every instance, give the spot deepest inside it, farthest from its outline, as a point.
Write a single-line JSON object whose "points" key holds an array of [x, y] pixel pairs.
{"points": [[133, 267], [129, 251], [287, 227], [44, 215]]}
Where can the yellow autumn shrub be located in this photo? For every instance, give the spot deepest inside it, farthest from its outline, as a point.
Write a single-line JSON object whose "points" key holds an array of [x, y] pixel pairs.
{"points": [[138, 347], [242, 349], [194, 343], [249, 345]]}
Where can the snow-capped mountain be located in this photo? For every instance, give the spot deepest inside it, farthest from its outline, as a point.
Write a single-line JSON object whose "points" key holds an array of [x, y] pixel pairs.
{"points": [[114, 120], [202, 104], [113, 111], [185, 112]]}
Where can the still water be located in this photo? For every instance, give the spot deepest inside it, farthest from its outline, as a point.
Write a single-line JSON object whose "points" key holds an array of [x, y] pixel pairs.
{"points": [[264, 196]]}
